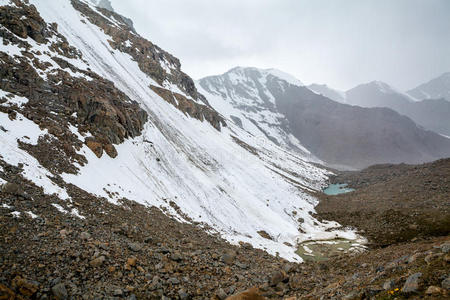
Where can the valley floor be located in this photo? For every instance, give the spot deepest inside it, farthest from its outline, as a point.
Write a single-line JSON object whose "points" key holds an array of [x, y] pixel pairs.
{"points": [[104, 251]]}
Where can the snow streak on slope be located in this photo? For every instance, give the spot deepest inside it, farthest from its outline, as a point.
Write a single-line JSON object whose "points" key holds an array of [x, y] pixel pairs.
{"points": [[229, 180], [23, 130], [241, 95]]}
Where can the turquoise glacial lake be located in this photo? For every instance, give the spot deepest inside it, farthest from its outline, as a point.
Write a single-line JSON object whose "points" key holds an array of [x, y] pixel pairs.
{"points": [[336, 189]]}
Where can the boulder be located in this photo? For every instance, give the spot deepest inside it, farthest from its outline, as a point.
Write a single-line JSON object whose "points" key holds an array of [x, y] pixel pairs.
{"points": [[95, 146], [412, 283], [59, 291], [277, 277], [250, 294]]}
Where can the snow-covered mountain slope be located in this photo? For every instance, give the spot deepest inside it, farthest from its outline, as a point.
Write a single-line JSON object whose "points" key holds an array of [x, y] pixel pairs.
{"points": [[325, 90], [242, 95], [432, 114], [83, 84], [436, 88]]}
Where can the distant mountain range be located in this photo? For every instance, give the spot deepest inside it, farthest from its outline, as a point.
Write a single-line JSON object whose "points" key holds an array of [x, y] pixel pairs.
{"points": [[434, 89], [340, 134], [430, 113]]}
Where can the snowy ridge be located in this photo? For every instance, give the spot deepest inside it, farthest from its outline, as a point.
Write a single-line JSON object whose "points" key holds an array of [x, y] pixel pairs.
{"points": [[388, 89], [325, 90], [235, 181], [242, 95], [436, 88]]}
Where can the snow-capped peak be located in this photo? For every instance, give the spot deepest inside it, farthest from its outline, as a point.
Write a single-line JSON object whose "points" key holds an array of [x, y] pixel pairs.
{"points": [[266, 72], [284, 76], [436, 88], [385, 88]]}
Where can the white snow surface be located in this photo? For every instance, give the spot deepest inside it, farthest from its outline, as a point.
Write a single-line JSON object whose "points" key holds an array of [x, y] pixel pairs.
{"points": [[240, 92], [28, 132], [32, 215], [325, 90], [16, 214], [284, 76], [205, 172], [388, 89]]}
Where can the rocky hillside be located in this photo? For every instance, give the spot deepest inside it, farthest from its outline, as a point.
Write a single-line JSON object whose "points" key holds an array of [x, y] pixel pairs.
{"points": [[406, 201], [91, 248], [87, 102], [343, 136]]}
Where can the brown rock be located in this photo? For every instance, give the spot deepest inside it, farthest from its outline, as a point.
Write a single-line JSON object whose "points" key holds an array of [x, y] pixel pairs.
{"points": [[433, 290], [140, 269], [95, 146], [11, 188], [295, 282], [228, 257], [110, 150], [97, 262], [277, 277], [25, 287], [250, 294], [265, 235], [6, 293], [132, 261]]}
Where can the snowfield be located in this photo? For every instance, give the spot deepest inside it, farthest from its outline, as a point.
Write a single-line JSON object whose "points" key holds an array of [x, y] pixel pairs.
{"points": [[206, 173]]}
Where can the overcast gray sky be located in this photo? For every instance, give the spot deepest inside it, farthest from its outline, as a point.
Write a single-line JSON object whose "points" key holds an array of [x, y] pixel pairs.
{"points": [[338, 42]]}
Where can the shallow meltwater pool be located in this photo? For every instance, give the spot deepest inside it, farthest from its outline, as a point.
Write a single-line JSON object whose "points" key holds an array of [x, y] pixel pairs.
{"points": [[325, 249], [336, 189]]}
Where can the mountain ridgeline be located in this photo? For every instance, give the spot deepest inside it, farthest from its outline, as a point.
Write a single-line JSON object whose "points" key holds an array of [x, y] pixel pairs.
{"points": [[344, 136], [432, 114], [437, 88]]}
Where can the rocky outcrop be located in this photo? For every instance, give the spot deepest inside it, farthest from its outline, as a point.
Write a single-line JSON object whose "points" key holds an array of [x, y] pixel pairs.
{"points": [[193, 109], [32, 25], [161, 66], [59, 100]]}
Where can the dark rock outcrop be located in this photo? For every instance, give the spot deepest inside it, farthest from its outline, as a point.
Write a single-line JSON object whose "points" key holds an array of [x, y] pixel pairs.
{"points": [[153, 61], [90, 103]]}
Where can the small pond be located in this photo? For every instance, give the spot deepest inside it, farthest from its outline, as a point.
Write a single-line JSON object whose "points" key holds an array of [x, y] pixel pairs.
{"points": [[336, 189]]}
